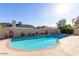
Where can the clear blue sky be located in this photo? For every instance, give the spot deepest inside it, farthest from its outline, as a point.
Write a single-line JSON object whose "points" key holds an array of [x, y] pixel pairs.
{"points": [[38, 14]]}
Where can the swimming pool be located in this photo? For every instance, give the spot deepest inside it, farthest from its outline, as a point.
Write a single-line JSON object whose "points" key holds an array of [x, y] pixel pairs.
{"points": [[36, 42]]}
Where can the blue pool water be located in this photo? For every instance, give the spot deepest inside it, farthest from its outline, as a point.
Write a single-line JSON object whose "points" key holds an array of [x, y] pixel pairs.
{"points": [[36, 42]]}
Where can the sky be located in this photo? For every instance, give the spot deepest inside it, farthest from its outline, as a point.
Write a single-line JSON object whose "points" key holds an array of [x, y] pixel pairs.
{"points": [[38, 14]]}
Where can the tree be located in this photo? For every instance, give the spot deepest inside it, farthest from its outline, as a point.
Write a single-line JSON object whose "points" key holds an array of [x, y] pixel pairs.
{"points": [[76, 26], [2, 25], [76, 22], [69, 29], [64, 28], [20, 23], [61, 23]]}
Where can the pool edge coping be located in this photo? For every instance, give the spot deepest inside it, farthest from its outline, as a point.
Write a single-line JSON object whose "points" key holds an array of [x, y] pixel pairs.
{"points": [[8, 46]]}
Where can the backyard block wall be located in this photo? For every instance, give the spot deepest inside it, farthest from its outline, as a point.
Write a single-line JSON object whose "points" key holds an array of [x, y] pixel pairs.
{"points": [[17, 31], [3, 32], [76, 32]]}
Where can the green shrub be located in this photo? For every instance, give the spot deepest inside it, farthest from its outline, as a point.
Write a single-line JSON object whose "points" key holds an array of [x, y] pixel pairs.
{"points": [[2, 25], [64, 28], [67, 30]]}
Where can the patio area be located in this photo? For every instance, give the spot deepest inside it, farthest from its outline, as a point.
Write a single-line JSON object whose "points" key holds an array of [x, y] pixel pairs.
{"points": [[68, 46]]}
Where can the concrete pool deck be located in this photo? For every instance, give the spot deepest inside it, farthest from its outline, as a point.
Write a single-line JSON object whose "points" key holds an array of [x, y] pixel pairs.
{"points": [[68, 46]]}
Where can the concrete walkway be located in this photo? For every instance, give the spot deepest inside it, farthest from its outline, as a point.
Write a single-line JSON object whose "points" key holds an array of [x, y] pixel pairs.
{"points": [[68, 46]]}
